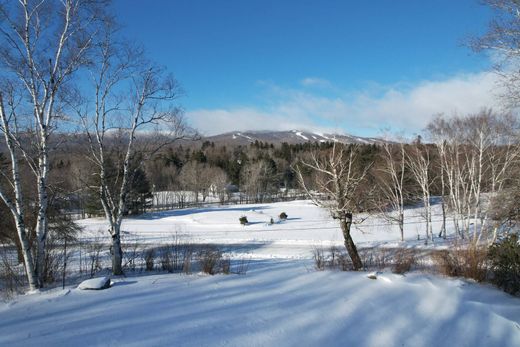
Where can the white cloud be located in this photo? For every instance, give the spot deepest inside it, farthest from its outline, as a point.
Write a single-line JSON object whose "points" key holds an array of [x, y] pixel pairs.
{"points": [[364, 112], [315, 82]]}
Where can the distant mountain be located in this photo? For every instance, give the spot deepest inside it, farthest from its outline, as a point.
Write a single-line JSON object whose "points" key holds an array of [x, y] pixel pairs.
{"points": [[291, 137]]}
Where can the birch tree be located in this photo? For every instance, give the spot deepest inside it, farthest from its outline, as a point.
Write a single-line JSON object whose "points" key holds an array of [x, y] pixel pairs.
{"points": [[478, 153], [339, 180], [419, 163], [130, 111], [43, 45], [392, 183], [502, 39]]}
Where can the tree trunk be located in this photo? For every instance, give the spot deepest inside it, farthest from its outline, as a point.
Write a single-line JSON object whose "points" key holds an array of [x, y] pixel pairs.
{"points": [[401, 224], [41, 220], [27, 255], [443, 227], [345, 224], [117, 252]]}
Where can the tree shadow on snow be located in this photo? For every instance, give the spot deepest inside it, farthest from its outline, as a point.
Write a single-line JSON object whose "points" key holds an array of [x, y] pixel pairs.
{"points": [[190, 211]]}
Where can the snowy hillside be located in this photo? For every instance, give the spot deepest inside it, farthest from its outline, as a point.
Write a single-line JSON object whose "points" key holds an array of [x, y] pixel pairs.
{"points": [[289, 136]]}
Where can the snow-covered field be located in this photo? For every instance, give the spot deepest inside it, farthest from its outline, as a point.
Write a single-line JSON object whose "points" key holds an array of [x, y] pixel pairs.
{"points": [[281, 301], [307, 226], [278, 303]]}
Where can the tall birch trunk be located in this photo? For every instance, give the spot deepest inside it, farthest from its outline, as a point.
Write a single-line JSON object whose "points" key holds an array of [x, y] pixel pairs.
{"points": [[345, 224], [17, 208]]}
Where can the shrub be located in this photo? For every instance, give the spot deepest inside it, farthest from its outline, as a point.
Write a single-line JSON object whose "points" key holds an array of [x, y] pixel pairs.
{"points": [[318, 256], [210, 257], [11, 278], [403, 261], [283, 216], [467, 262], [374, 258], [149, 259], [225, 265], [243, 220], [166, 260], [504, 256], [242, 266], [93, 257]]}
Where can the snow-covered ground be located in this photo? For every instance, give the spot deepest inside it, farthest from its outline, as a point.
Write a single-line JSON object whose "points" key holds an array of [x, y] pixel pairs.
{"points": [[280, 301], [277, 303], [307, 226]]}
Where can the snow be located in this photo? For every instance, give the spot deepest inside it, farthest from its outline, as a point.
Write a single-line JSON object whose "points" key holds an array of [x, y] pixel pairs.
{"points": [[281, 300], [300, 134], [245, 136], [95, 283], [322, 135], [307, 227], [277, 303]]}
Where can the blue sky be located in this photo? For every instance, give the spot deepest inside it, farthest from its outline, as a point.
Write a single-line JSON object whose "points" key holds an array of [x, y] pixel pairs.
{"points": [[352, 66]]}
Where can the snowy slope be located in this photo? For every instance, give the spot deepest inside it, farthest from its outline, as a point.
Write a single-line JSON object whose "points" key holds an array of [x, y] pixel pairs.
{"points": [[277, 303]]}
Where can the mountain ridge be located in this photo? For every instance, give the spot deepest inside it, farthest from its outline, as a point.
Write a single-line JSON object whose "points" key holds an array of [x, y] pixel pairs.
{"points": [[288, 136]]}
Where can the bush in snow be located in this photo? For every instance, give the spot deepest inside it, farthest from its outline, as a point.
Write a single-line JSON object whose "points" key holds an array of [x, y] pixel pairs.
{"points": [[504, 256], [318, 256], [469, 262], [403, 261], [225, 265], [243, 220], [210, 258], [283, 216], [149, 259]]}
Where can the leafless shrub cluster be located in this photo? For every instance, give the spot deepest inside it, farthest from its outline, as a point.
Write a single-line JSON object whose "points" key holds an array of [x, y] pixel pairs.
{"points": [[403, 261], [375, 258], [210, 258], [333, 258], [176, 256], [149, 259], [90, 257], [318, 255], [225, 264], [398, 260], [11, 279], [241, 266], [469, 262], [132, 254]]}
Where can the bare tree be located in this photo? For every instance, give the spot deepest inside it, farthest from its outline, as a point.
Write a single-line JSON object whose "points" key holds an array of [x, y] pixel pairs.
{"points": [[219, 183], [43, 44], [130, 112], [339, 178], [478, 153], [503, 40], [392, 183], [196, 177], [259, 179], [419, 163]]}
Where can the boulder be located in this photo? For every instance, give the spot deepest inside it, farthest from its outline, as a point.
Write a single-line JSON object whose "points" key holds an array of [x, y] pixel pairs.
{"points": [[95, 283]]}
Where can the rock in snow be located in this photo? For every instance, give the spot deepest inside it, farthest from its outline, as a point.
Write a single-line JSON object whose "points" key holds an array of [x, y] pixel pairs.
{"points": [[95, 283]]}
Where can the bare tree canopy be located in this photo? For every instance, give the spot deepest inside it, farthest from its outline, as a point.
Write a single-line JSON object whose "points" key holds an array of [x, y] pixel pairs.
{"points": [[339, 177], [43, 44], [129, 117], [502, 40]]}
